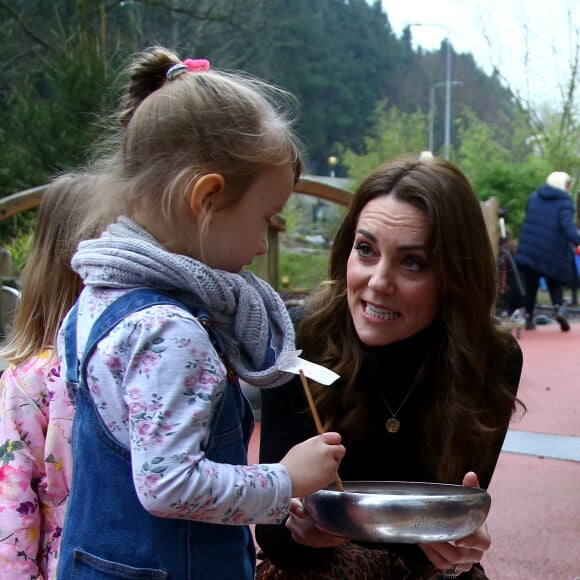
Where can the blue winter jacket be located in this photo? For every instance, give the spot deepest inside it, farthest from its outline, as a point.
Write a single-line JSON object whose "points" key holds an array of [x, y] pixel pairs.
{"points": [[549, 234]]}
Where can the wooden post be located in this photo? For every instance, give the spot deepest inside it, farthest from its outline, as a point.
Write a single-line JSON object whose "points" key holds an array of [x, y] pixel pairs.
{"points": [[269, 264], [490, 209], [5, 272]]}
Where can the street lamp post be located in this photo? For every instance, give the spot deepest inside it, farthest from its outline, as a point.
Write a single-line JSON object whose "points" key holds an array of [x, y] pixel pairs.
{"points": [[447, 85], [431, 114], [332, 162], [432, 108], [448, 99]]}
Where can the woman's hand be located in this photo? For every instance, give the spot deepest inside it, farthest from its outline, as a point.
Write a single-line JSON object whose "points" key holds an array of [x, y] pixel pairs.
{"points": [[463, 553], [305, 532]]}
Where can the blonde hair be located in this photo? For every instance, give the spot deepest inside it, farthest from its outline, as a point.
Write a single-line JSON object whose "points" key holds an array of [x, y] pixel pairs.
{"points": [[49, 286], [175, 131], [559, 180]]}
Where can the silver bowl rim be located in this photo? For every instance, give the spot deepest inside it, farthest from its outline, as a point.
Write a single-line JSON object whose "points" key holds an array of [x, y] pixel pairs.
{"points": [[400, 489]]}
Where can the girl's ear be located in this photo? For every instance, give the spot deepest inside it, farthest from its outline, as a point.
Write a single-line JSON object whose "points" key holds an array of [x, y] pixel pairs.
{"points": [[202, 192]]}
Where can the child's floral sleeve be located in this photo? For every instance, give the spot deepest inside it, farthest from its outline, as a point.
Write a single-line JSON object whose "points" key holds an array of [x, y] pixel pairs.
{"points": [[28, 497], [21, 422]]}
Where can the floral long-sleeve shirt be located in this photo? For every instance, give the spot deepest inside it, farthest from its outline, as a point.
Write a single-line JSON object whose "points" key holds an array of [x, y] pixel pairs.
{"points": [[156, 380], [35, 467]]}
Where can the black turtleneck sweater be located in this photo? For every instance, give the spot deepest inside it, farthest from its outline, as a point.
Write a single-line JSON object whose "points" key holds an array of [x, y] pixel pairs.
{"points": [[388, 374]]}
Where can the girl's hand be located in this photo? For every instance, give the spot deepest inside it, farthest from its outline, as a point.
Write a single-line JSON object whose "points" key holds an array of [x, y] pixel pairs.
{"points": [[313, 464], [463, 553], [305, 532]]}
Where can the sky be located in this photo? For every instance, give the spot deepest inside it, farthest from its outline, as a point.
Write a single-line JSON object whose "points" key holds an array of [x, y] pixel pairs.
{"points": [[531, 42]]}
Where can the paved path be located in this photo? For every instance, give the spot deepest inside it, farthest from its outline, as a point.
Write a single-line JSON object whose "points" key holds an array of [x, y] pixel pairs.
{"points": [[535, 514]]}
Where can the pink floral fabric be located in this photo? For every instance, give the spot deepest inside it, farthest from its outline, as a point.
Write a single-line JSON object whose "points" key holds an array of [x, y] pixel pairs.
{"points": [[157, 381], [35, 467]]}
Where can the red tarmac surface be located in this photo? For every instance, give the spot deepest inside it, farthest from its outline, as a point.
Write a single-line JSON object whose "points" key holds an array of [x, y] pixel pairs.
{"points": [[535, 514]]}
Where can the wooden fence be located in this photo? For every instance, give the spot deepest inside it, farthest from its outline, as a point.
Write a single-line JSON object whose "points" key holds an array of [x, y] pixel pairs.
{"points": [[324, 188]]}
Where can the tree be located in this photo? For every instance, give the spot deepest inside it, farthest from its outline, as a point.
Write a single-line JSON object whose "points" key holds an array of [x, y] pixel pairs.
{"points": [[339, 57], [488, 157], [62, 60], [393, 133], [60, 64], [553, 129], [336, 57], [49, 107]]}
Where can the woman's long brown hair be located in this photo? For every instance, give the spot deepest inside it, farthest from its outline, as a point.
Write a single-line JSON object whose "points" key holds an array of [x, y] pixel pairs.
{"points": [[472, 403]]}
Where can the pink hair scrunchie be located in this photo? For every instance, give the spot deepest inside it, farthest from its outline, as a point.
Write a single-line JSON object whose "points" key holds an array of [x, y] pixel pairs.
{"points": [[196, 64], [188, 65]]}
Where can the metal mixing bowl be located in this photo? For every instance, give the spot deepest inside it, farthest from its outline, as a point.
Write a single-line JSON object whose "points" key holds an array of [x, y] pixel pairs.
{"points": [[399, 511]]}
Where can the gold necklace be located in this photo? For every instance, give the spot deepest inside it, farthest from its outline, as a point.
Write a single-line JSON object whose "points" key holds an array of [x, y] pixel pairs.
{"points": [[393, 424]]}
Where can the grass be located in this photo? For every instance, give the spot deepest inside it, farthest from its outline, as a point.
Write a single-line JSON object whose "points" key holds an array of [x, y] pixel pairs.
{"points": [[302, 268]]}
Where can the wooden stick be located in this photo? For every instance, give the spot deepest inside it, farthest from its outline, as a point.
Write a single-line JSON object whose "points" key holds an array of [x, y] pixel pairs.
{"points": [[316, 418]]}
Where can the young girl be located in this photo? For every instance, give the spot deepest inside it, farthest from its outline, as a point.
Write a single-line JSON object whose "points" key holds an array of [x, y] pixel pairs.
{"points": [[167, 323], [35, 412]]}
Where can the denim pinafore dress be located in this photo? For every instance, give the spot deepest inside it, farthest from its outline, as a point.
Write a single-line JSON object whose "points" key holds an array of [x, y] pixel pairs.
{"points": [[107, 532]]}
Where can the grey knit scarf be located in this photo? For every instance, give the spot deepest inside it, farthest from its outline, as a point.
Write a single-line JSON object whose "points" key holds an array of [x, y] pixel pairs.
{"points": [[248, 314]]}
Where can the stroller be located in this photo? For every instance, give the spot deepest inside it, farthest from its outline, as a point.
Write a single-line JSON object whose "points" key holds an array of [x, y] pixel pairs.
{"points": [[511, 290], [511, 293]]}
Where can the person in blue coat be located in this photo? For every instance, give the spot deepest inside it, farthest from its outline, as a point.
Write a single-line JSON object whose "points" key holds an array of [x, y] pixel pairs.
{"points": [[545, 244]]}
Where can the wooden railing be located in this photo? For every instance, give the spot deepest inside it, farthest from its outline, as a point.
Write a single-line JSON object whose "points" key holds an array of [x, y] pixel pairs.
{"points": [[268, 265], [325, 188], [21, 201]]}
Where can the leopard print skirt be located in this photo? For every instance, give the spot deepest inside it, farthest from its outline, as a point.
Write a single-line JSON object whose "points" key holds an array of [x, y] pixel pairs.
{"points": [[354, 562], [351, 561]]}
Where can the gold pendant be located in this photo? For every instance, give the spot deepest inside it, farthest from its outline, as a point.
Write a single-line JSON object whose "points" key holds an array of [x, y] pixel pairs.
{"points": [[393, 425]]}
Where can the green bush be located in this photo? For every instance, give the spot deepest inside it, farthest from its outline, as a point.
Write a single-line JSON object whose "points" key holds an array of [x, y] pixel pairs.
{"points": [[19, 248]]}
